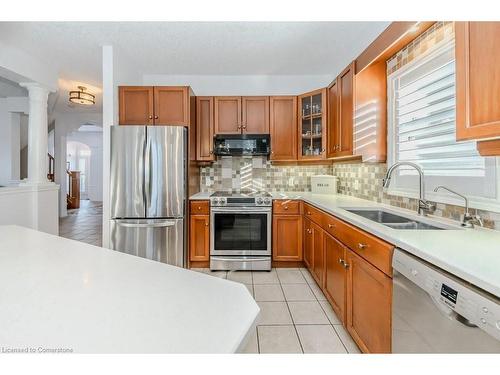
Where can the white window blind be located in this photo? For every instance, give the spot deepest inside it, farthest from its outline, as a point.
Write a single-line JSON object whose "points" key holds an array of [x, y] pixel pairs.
{"points": [[421, 100]]}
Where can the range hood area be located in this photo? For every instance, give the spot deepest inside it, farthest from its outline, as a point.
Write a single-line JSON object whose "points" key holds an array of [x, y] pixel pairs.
{"points": [[242, 144]]}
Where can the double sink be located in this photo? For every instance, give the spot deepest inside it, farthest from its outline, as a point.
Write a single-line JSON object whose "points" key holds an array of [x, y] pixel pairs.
{"points": [[395, 221]]}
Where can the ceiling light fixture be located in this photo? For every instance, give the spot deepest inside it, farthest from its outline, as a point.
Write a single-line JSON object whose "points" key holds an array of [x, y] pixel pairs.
{"points": [[81, 96]]}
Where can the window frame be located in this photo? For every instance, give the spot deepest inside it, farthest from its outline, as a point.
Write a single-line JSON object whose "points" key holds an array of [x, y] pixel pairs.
{"points": [[482, 203]]}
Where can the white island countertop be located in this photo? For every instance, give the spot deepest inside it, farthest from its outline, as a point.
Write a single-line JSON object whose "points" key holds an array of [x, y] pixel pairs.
{"points": [[470, 254], [57, 293]]}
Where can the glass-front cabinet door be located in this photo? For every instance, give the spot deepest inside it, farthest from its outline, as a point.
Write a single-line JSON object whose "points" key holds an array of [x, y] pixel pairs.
{"points": [[312, 129]]}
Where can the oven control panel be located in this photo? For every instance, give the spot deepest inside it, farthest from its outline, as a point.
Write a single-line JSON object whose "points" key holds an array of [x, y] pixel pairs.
{"points": [[241, 201]]}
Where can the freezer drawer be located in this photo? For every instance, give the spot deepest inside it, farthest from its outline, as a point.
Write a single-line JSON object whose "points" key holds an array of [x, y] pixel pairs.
{"points": [[156, 239]]}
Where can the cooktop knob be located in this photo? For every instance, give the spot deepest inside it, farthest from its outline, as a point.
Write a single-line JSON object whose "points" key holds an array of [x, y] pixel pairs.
{"points": [[267, 201], [259, 200]]}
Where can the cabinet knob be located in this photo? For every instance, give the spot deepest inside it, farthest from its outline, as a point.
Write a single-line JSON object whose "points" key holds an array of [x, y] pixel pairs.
{"points": [[323, 150], [156, 117], [199, 207], [346, 265], [362, 246], [244, 126], [211, 152], [150, 117], [309, 212], [341, 261], [286, 207], [309, 231], [206, 224], [331, 226], [239, 127]]}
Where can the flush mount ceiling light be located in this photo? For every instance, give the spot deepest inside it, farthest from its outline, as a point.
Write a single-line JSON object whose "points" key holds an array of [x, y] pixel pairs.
{"points": [[81, 96]]}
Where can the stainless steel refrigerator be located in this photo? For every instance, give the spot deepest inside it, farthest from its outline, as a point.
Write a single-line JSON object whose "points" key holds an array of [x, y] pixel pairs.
{"points": [[148, 192]]}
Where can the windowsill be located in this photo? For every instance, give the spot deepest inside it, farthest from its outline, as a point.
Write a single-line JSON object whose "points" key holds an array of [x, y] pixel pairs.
{"points": [[474, 202]]}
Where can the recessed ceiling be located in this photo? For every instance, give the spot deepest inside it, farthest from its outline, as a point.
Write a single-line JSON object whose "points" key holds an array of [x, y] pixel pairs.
{"points": [[194, 48]]}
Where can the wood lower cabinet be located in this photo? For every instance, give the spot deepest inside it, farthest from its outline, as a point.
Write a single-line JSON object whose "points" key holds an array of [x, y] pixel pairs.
{"points": [[255, 114], [283, 127], [136, 105], [154, 105], [477, 80], [287, 237], [318, 256], [369, 305], [335, 275], [199, 238], [307, 239], [204, 128]]}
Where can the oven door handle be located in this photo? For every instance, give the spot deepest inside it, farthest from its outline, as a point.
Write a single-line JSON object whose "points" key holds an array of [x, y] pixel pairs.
{"points": [[241, 209]]}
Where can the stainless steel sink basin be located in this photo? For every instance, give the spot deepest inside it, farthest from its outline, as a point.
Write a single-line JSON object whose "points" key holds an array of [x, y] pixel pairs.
{"points": [[393, 220]]}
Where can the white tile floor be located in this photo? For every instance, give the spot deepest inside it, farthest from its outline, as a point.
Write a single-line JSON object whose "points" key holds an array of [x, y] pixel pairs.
{"points": [[295, 316], [83, 224]]}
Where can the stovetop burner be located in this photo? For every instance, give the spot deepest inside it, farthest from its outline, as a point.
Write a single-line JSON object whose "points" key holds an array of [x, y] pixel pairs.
{"points": [[242, 199]]}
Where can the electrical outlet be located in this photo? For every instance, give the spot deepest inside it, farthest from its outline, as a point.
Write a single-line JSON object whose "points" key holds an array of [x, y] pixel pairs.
{"points": [[290, 181], [356, 185]]}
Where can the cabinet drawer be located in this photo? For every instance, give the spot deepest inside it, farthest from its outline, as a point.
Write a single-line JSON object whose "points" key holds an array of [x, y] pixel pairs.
{"points": [[286, 207], [313, 213], [369, 247], [199, 207]]}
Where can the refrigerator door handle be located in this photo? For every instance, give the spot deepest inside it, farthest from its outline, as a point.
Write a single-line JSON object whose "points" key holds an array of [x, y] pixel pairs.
{"points": [[161, 224], [147, 172]]}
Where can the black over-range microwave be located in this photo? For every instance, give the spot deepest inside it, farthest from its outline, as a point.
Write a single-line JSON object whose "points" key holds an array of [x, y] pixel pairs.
{"points": [[242, 144]]}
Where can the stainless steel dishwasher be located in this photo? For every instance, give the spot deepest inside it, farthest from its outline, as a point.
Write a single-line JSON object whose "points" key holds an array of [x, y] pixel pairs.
{"points": [[436, 312]]}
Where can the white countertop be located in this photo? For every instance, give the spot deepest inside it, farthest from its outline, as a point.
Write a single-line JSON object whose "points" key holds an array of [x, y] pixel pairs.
{"points": [[471, 254], [60, 293]]}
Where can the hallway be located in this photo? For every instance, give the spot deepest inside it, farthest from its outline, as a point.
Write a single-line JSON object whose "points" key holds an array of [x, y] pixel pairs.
{"points": [[83, 224]]}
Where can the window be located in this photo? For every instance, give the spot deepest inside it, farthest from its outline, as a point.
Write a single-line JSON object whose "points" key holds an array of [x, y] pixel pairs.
{"points": [[421, 116]]}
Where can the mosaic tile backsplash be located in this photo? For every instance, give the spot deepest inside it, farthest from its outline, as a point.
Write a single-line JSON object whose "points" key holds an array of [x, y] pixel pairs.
{"points": [[235, 174], [369, 186]]}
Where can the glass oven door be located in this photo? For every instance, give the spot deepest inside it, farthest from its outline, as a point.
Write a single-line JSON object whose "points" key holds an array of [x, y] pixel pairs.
{"points": [[240, 231]]}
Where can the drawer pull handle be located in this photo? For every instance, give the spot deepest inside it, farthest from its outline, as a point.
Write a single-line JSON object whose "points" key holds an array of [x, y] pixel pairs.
{"points": [[346, 265], [199, 207], [286, 207], [341, 261], [362, 246], [331, 226], [309, 231], [308, 212]]}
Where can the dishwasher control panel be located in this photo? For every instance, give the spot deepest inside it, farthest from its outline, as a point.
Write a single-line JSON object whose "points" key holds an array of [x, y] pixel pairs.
{"points": [[473, 304]]}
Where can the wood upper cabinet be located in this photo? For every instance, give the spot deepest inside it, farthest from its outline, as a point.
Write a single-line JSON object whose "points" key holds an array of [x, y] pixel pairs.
{"points": [[308, 243], [369, 305], [204, 128], [333, 120], [171, 105], [335, 275], [136, 105], [255, 114], [148, 105], [312, 125], [199, 238], [283, 127], [477, 80], [318, 257], [287, 237], [341, 114], [227, 114], [236, 114]]}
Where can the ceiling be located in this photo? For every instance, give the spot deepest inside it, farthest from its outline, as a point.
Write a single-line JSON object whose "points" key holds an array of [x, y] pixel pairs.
{"points": [[193, 48]]}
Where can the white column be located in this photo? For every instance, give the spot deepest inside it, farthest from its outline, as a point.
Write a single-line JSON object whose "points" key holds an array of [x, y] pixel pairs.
{"points": [[37, 134]]}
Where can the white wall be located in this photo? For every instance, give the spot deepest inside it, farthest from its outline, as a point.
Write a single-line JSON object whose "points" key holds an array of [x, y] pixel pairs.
{"points": [[31, 207], [10, 138], [242, 84]]}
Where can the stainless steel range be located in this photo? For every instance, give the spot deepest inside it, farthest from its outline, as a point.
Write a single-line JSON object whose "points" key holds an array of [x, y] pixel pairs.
{"points": [[240, 235]]}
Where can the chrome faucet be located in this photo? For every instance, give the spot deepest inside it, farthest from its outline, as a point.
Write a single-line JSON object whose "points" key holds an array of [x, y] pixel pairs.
{"points": [[468, 219], [424, 206]]}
